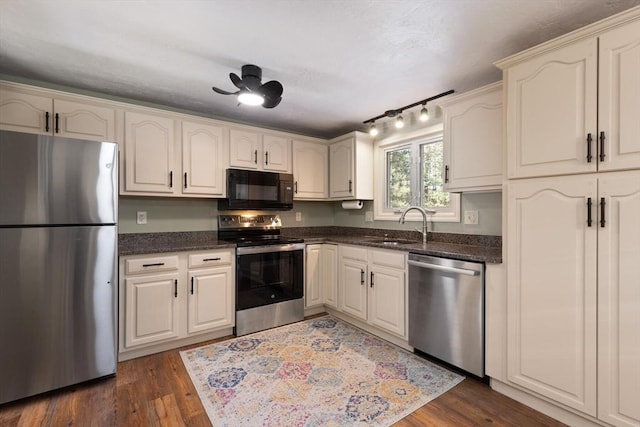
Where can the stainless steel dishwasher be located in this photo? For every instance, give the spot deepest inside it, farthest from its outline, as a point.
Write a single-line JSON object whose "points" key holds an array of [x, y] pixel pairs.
{"points": [[446, 310]]}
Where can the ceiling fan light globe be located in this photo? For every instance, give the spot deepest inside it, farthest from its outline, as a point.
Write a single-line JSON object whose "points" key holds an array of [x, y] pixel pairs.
{"points": [[248, 98]]}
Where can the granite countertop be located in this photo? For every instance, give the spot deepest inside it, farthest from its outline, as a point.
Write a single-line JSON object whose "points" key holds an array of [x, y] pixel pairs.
{"points": [[465, 247]]}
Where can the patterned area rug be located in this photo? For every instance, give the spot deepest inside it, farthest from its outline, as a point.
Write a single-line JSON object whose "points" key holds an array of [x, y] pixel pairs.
{"points": [[320, 372]]}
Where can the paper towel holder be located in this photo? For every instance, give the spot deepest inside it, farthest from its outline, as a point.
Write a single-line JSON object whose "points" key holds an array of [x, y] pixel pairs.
{"points": [[352, 204]]}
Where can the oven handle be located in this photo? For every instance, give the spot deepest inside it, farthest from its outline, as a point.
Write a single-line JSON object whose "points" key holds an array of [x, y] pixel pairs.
{"points": [[269, 248]]}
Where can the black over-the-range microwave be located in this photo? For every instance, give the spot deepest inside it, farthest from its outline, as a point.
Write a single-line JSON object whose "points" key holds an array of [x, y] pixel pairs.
{"points": [[247, 189]]}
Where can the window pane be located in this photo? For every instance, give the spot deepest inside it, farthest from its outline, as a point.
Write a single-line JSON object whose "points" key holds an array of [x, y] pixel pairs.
{"points": [[399, 178], [433, 195]]}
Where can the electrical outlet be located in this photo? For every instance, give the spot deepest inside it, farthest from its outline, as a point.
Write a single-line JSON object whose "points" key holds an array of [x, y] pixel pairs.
{"points": [[368, 216], [471, 217], [298, 216], [141, 217]]}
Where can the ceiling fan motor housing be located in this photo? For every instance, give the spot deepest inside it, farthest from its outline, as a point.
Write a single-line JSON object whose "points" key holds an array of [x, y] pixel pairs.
{"points": [[251, 76]]}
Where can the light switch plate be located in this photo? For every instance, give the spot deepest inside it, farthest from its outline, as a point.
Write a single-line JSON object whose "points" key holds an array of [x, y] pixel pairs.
{"points": [[141, 217], [298, 216], [471, 217]]}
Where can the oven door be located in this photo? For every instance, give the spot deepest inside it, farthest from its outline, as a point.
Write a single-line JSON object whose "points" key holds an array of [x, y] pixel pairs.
{"points": [[269, 274]]}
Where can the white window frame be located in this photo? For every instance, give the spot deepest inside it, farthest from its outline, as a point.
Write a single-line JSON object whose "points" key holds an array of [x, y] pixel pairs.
{"points": [[381, 212]]}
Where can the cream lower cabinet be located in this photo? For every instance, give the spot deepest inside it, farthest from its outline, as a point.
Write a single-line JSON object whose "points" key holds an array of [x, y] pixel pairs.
{"points": [[573, 330], [373, 287], [169, 300], [321, 279], [23, 109]]}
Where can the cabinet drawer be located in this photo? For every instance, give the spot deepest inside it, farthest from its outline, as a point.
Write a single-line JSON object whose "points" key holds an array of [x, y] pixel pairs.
{"points": [[354, 252], [394, 259], [209, 259], [152, 264]]}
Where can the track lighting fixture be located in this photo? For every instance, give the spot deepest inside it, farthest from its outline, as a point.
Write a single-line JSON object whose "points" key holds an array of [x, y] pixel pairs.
{"points": [[399, 122], [424, 114]]}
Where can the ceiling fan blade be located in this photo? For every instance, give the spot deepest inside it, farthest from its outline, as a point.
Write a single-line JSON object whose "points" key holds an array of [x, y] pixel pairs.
{"points": [[223, 92], [237, 81], [271, 90], [271, 102]]}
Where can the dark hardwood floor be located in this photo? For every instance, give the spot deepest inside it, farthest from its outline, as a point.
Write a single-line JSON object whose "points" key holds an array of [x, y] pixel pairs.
{"points": [[157, 391]]}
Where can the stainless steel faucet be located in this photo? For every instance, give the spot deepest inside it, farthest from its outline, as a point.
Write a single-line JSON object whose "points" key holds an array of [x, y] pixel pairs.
{"points": [[424, 213]]}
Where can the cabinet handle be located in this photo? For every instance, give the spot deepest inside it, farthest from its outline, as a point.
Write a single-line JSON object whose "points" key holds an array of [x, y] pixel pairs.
{"points": [[212, 259], [446, 174], [175, 288], [602, 205], [266, 158], [371, 280], [295, 187], [171, 179], [155, 264], [192, 285], [350, 185], [589, 140], [589, 220], [361, 277], [185, 180], [46, 121], [57, 123], [602, 146], [255, 157]]}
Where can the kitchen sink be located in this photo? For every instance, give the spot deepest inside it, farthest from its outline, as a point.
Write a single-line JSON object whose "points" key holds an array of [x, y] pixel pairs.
{"points": [[393, 242]]}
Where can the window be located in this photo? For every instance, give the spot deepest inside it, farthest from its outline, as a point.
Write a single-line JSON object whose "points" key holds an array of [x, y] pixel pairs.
{"points": [[410, 173]]}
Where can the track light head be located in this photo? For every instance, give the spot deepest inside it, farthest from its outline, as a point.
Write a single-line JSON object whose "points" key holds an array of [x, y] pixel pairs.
{"points": [[373, 130], [424, 114], [399, 122]]}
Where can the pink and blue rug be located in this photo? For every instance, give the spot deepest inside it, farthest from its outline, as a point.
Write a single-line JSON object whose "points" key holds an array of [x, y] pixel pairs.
{"points": [[320, 372]]}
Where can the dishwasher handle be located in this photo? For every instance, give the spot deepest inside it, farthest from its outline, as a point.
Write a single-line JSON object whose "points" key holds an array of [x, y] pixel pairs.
{"points": [[444, 268]]}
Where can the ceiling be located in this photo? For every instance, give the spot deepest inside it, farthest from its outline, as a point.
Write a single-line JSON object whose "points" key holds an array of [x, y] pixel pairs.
{"points": [[340, 61]]}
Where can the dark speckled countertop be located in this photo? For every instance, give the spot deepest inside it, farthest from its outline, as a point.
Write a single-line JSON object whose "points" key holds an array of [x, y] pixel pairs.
{"points": [[466, 247]]}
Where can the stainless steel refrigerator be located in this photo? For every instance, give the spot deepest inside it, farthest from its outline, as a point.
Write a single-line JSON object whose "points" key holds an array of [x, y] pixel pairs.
{"points": [[58, 280]]}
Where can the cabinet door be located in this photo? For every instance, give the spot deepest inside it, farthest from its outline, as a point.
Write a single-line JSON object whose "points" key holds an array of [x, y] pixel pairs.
{"points": [[341, 179], [619, 299], [22, 112], [244, 149], [149, 162], [551, 108], [276, 153], [310, 169], [386, 299], [353, 286], [203, 150], [329, 276], [151, 309], [551, 301], [473, 141], [211, 299], [619, 97], [83, 121], [313, 288]]}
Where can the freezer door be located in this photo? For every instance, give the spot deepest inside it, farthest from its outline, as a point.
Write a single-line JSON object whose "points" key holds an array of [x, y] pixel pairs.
{"points": [[57, 307], [53, 180]]}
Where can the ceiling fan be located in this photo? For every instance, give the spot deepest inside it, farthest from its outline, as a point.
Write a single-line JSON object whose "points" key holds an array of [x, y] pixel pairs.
{"points": [[251, 90]]}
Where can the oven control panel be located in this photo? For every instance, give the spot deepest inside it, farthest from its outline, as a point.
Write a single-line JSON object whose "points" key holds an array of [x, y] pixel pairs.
{"points": [[249, 221]]}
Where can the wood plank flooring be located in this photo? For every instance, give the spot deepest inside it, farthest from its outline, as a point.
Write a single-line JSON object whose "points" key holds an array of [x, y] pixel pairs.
{"points": [[157, 391]]}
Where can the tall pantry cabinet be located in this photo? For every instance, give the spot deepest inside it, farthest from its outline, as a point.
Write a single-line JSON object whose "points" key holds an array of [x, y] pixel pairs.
{"points": [[573, 220]]}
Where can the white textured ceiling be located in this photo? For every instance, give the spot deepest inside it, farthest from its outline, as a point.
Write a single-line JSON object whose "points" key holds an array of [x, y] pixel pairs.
{"points": [[340, 61]]}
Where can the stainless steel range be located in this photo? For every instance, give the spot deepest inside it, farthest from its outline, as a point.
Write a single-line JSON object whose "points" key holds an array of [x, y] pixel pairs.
{"points": [[269, 272]]}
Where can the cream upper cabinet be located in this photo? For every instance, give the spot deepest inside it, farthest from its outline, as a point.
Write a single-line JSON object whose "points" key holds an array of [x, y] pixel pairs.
{"points": [[310, 170], [25, 110], [351, 167], [253, 150], [473, 140], [619, 298], [149, 163], [552, 293], [574, 109], [619, 98], [204, 153]]}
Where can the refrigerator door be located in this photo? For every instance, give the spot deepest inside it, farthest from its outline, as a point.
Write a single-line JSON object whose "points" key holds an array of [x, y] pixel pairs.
{"points": [[58, 307], [46, 180]]}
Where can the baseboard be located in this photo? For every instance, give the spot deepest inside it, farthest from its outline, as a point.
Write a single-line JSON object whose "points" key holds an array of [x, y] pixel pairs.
{"points": [[561, 414]]}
